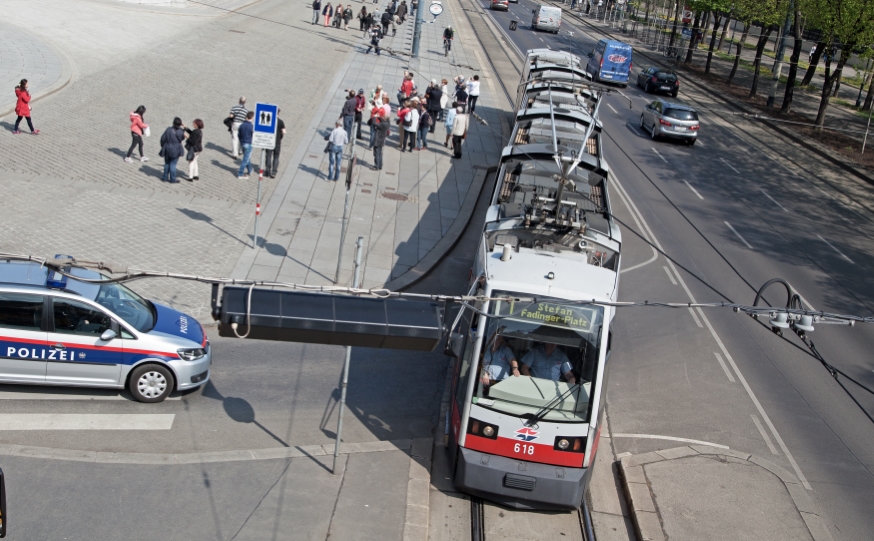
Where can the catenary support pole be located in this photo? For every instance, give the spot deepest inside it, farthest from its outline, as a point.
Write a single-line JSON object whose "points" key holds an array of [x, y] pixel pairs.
{"points": [[258, 199], [417, 29], [345, 382]]}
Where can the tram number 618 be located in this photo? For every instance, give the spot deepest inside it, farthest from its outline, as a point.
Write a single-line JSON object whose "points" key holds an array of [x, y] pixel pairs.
{"points": [[524, 449]]}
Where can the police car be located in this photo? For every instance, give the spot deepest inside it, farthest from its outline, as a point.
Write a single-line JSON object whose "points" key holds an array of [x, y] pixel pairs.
{"points": [[56, 330]]}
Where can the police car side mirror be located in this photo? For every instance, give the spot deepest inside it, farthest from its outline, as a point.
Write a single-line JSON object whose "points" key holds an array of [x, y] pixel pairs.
{"points": [[2, 504], [108, 335], [454, 344]]}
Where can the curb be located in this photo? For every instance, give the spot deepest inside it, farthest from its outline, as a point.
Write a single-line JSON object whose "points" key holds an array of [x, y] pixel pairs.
{"points": [[702, 85], [170, 459], [425, 265], [65, 79], [645, 514]]}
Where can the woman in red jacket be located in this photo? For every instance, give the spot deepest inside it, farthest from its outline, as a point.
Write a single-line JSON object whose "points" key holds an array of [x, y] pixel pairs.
{"points": [[22, 108], [137, 128]]}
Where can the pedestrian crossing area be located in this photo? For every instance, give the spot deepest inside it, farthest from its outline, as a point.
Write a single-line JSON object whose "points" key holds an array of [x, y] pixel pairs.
{"points": [[85, 421]]}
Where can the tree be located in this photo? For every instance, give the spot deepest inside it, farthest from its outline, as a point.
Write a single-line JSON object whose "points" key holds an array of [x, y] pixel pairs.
{"points": [[740, 45], [793, 63], [814, 62], [757, 63]]}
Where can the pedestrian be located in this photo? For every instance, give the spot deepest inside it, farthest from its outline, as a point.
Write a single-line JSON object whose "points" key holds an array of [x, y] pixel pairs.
{"points": [[448, 121], [317, 8], [171, 150], [411, 126], [375, 36], [394, 25], [22, 107], [336, 141], [435, 100], [448, 36], [194, 144], [238, 116], [327, 12], [347, 16], [473, 93], [273, 153], [402, 11], [247, 131], [414, 4], [381, 128], [347, 115], [426, 123], [362, 19], [385, 20], [360, 105], [811, 53], [408, 87], [460, 92], [386, 106], [375, 110], [459, 131], [338, 16], [444, 100], [137, 129]]}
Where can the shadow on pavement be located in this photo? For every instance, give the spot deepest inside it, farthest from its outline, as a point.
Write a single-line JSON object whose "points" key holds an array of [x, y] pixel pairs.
{"points": [[199, 216]]}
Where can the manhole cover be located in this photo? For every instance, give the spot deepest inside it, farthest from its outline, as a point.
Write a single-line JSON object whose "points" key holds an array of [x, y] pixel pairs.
{"points": [[394, 196]]}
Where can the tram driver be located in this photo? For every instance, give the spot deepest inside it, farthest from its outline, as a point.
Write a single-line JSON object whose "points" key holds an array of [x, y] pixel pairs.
{"points": [[499, 361], [546, 361]]}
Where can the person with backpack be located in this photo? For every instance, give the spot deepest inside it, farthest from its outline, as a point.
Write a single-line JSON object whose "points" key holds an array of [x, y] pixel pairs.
{"points": [[327, 12], [137, 129], [22, 107], [171, 150], [385, 20], [426, 123]]}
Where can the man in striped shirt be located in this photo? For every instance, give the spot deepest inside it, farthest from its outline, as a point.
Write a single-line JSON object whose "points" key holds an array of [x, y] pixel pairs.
{"points": [[238, 114]]}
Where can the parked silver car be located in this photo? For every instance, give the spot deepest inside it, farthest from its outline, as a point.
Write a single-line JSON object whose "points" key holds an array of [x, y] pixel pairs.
{"points": [[665, 118]]}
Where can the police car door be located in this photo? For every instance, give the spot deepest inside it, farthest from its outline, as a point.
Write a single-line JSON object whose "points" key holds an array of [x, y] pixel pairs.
{"points": [[81, 356], [22, 338]]}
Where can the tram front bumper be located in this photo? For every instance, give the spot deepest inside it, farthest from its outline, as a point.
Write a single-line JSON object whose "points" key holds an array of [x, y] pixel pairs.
{"points": [[520, 484]]}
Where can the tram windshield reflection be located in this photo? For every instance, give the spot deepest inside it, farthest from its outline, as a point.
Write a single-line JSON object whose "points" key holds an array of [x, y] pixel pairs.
{"points": [[546, 338]]}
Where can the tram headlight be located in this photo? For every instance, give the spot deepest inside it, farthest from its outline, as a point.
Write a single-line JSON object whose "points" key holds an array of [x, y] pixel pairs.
{"points": [[570, 444], [479, 428]]}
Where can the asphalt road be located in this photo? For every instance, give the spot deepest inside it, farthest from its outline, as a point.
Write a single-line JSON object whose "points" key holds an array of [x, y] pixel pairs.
{"points": [[736, 217]]}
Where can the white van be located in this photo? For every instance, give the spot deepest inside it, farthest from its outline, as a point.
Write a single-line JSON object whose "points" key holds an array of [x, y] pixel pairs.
{"points": [[546, 18]]}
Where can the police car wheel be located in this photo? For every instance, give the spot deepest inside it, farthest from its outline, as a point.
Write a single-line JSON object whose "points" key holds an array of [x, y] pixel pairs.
{"points": [[151, 383]]}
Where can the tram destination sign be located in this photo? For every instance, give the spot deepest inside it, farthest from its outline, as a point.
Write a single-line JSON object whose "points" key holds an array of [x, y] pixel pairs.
{"points": [[555, 315]]}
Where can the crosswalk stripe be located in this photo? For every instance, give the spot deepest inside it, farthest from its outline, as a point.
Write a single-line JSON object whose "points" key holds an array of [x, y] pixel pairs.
{"points": [[28, 392], [85, 421]]}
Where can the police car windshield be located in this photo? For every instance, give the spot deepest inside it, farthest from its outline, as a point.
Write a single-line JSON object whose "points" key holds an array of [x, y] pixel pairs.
{"points": [[554, 346], [121, 301]]}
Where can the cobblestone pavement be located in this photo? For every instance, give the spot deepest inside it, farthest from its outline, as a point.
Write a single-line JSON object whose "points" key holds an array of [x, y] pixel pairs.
{"points": [[402, 211], [24, 56]]}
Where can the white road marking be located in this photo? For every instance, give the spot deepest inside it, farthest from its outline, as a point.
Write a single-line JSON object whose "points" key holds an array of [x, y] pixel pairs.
{"points": [[541, 39], [728, 164], [835, 249], [612, 109], [764, 435], [670, 438], [659, 155], [655, 256], [697, 321], [698, 142], [738, 236], [724, 367], [85, 421], [670, 277], [823, 192], [28, 392], [773, 200], [693, 189], [633, 208]]}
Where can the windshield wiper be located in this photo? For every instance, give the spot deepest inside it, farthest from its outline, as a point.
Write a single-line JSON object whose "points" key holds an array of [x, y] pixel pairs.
{"points": [[551, 405]]}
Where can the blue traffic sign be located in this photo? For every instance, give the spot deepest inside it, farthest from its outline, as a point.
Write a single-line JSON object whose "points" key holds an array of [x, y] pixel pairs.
{"points": [[265, 125]]}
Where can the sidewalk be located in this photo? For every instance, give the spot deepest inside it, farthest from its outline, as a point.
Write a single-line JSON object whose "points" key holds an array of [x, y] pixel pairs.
{"points": [[25, 56], [700, 492], [402, 211]]}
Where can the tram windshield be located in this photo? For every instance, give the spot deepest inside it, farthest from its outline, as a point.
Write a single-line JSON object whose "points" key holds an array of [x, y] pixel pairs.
{"points": [[555, 347]]}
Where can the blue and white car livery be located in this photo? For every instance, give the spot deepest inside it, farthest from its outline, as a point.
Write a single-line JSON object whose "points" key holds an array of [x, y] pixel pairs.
{"points": [[60, 331]]}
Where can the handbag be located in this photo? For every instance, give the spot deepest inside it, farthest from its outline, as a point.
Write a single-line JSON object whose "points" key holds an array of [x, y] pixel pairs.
{"points": [[229, 121], [190, 156], [147, 132]]}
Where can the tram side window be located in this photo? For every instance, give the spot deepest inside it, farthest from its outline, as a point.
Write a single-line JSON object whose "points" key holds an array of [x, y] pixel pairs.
{"points": [[467, 320]]}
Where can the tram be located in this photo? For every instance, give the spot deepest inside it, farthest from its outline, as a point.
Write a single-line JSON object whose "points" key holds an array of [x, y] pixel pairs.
{"points": [[528, 385]]}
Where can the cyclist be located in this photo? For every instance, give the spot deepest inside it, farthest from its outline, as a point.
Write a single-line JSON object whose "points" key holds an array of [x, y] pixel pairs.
{"points": [[448, 35]]}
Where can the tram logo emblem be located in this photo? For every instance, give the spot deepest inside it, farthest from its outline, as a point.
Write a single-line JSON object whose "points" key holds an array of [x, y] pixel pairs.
{"points": [[527, 434]]}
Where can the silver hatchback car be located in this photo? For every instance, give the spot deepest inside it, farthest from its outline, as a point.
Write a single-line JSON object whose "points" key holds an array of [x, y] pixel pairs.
{"points": [[666, 118]]}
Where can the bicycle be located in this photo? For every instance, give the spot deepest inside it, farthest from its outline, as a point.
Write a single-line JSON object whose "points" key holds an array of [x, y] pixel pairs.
{"points": [[671, 52], [446, 45]]}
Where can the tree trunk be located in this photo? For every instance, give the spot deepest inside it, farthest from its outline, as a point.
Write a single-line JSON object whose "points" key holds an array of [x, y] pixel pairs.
{"points": [[837, 84], [740, 47], [646, 17], [724, 31], [692, 40], [830, 79], [760, 47], [869, 97], [811, 71], [674, 31], [793, 65], [712, 43]]}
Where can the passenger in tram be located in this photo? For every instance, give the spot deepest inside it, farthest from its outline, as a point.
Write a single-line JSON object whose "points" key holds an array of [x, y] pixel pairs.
{"points": [[498, 362], [546, 361]]}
